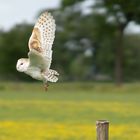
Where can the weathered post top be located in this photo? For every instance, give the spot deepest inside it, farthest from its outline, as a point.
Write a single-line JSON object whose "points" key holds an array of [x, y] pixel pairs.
{"points": [[102, 127]]}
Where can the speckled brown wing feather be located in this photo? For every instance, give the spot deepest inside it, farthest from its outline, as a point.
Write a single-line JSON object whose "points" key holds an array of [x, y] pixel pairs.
{"points": [[43, 35], [35, 41]]}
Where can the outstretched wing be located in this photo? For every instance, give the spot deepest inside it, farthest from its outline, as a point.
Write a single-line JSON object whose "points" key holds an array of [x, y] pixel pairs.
{"points": [[42, 38]]}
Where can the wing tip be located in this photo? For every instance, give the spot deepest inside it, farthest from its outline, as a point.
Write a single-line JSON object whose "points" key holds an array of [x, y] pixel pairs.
{"points": [[46, 14], [44, 17]]}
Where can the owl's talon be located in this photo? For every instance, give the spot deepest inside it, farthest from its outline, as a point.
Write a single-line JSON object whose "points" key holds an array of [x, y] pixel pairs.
{"points": [[46, 87]]}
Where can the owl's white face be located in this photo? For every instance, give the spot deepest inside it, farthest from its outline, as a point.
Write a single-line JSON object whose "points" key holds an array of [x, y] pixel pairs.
{"points": [[22, 65]]}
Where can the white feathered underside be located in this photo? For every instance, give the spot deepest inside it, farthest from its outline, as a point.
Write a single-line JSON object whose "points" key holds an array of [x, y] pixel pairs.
{"points": [[46, 25]]}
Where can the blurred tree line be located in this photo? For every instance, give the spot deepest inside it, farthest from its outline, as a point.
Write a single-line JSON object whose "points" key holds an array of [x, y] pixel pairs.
{"points": [[90, 43]]}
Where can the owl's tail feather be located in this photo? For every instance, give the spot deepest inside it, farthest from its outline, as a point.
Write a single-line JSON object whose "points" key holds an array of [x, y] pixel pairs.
{"points": [[52, 75]]}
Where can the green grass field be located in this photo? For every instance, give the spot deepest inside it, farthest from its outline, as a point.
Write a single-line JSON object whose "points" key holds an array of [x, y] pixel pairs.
{"points": [[68, 111]]}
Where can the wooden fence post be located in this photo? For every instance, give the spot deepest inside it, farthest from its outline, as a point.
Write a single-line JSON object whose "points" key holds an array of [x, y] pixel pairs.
{"points": [[102, 128]]}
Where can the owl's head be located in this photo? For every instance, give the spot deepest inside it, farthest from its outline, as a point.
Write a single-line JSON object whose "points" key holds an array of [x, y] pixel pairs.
{"points": [[22, 64]]}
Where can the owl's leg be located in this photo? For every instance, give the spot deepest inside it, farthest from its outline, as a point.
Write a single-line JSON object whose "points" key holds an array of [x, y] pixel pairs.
{"points": [[46, 85], [49, 75], [45, 81]]}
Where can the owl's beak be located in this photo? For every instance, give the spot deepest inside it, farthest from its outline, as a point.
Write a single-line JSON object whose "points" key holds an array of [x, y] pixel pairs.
{"points": [[17, 67]]}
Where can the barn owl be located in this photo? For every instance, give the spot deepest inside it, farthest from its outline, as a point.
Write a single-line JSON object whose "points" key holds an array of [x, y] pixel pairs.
{"points": [[38, 63]]}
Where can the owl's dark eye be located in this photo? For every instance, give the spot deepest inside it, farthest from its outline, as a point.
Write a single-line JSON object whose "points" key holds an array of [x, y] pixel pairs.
{"points": [[21, 64]]}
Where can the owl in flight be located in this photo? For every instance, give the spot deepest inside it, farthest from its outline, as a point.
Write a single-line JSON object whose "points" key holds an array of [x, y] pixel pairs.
{"points": [[38, 63]]}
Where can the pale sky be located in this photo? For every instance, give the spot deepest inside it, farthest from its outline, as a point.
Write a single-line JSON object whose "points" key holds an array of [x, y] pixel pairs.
{"points": [[17, 11], [132, 28]]}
